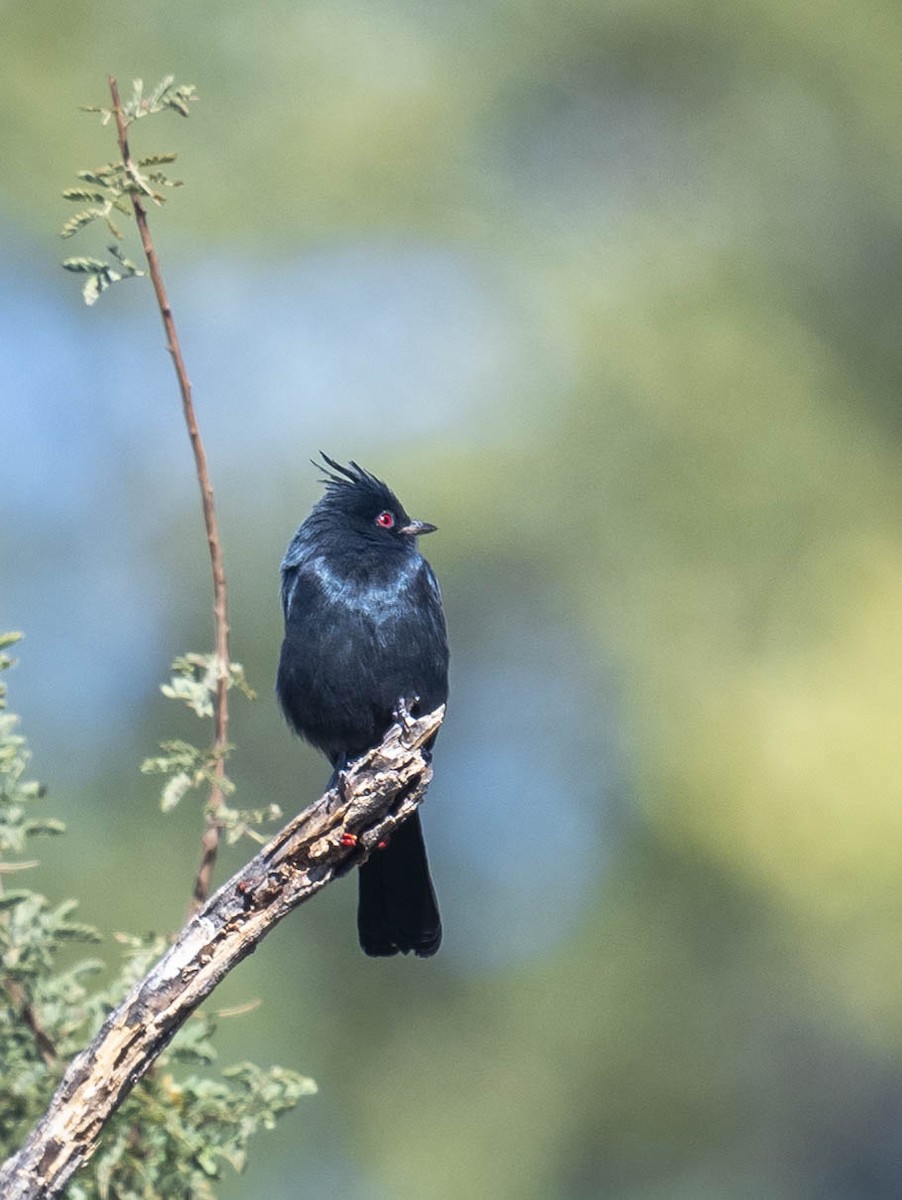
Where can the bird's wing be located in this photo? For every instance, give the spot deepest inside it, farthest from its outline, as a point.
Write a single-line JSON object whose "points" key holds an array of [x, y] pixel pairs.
{"points": [[432, 585]]}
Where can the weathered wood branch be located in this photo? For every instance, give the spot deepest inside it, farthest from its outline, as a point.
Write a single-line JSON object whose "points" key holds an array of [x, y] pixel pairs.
{"points": [[377, 792]]}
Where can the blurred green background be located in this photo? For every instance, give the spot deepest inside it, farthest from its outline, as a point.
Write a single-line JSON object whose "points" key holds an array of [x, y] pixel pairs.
{"points": [[611, 292]]}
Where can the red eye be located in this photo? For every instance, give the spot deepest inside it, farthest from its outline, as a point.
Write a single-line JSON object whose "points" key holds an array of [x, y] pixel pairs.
{"points": [[386, 519]]}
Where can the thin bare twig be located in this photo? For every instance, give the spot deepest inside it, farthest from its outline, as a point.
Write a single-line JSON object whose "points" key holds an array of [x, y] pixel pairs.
{"points": [[325, 841], [210, 838]]}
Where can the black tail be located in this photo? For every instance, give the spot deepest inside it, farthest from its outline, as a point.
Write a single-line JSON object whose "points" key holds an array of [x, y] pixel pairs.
{"points": [[397, 910]]}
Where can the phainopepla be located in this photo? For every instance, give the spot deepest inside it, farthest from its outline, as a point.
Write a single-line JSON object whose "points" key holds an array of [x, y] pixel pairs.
{"points": [[364, 629]]}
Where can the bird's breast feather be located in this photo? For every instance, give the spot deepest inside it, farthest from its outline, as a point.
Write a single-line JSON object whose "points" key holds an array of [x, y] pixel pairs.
{"points": [[377, 593]]}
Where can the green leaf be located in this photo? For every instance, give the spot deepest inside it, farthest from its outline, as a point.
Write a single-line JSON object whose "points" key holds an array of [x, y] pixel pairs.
{"points": [[82, 195], [238, 679], [128, 266], [93, 287], [206, 1160], [194, 680], [85, 217], [46, 826], [78, 931], [179, 756], [162, 180], [180, 99], [175, 790], [153, 160], [106, 176], [162, 87], [84, 265]]}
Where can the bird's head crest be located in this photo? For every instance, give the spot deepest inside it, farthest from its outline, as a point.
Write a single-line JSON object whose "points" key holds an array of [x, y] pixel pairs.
{"points": [[353, 475]]}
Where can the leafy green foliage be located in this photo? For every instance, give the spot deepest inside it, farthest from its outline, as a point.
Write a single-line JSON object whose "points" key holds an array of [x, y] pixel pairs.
{"points": [[187, 768], [166, 95], [195, 678], [194, 681], [176, 1131], [39, 1006], [101, 275], [111, 185], [172, 1138]]}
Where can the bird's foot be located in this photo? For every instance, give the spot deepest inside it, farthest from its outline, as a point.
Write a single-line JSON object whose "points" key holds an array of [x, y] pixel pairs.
{"points": [[402, 713], [341, 785], [339, 780]]}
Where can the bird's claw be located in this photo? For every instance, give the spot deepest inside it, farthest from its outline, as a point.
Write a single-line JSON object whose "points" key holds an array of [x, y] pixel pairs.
{"points": [[339, 782], [403, 714]]}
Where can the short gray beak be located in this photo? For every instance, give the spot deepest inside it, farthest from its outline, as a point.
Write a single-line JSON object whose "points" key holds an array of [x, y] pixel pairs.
{"points": [[415, 528]]}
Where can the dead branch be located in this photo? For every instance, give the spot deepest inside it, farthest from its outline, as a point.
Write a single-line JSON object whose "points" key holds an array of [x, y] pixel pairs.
{"points": [[325, 841]]}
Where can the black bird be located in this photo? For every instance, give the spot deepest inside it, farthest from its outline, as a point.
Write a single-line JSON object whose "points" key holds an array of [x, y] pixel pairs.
{"points": [[364, 629]]}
